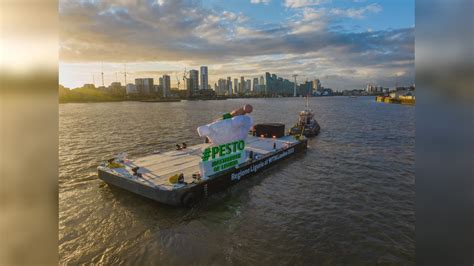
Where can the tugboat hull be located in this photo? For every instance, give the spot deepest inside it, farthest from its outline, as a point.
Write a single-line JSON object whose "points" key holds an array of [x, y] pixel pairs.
{"points": [[308, 131]]}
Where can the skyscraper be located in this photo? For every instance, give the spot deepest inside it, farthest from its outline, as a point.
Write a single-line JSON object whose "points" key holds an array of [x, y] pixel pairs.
{"points": [[262, 87], [236, 86], [194, 81], [160, 84], [229, 85], [221, 87], [166, 87], [242, 85], [255, 85], [204, 77], [188, 87], [144, 85], [316, 85], [275, 85]]}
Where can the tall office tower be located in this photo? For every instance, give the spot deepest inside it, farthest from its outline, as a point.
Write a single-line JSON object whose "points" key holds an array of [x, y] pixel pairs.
{"points": [[262, 86], [204, 78], [316, 85], [160, 83], [229, 85], [248, 86], [236, 86], [166, 85], [221, 87], [231, 90], [144, 85], [268, 83], [242, 84], [188, 86], [255, 85], [194, 80]]}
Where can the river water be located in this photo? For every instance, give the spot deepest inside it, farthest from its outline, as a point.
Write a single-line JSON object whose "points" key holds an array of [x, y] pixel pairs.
{"points": [[348, 200]]}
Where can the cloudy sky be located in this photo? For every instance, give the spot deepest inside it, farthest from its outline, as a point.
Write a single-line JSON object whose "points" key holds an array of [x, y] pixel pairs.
{"points": [[345, 43]]}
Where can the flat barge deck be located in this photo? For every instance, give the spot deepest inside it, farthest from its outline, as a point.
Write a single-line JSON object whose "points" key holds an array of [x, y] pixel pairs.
{"points": [[155, 170]]}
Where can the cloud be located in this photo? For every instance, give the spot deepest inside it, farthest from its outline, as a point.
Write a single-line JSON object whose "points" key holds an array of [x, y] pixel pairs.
{"points": [[266, 2], [355, 13], [303, 3], [168, 30], [186, 33]]}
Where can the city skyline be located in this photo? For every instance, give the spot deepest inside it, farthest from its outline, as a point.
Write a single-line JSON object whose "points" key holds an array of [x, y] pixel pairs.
{"points": [[345, 44]]}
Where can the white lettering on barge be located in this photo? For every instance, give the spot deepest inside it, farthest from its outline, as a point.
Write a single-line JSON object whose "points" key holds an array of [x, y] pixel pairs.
{"points": [[254, 168]]}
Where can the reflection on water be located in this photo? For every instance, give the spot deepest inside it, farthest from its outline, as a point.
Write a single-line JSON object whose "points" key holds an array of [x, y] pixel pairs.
{"points": [[348, 199]]}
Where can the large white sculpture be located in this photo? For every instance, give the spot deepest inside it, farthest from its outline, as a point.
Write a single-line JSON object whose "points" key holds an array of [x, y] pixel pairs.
{"points": [[227, 130]]}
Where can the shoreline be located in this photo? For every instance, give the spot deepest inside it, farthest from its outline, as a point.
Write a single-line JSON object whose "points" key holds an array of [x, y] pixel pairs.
{"points": [[196, 99]]}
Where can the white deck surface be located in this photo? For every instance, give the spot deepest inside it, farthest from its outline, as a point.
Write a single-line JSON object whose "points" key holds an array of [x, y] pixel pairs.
{"points": [[157, 168]]}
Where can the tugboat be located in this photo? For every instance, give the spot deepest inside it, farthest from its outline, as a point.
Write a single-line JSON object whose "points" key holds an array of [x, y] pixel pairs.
{"points": [[307, 125]]}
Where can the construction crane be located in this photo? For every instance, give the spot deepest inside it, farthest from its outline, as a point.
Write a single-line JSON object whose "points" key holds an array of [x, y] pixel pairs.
{"points": [[177, 79], [185, 78], [294, 89], [125, 73]]}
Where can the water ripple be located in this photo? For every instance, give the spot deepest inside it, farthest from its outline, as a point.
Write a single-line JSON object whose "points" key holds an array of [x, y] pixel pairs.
{"points": [[348, 200]]}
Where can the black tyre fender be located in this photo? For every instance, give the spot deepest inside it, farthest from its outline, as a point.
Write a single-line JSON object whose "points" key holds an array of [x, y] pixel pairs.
{"points": [[188, 199]]}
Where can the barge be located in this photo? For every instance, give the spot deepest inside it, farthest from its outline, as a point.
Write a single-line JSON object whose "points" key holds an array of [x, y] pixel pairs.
{"points": [[180, 178], [409, 100]]}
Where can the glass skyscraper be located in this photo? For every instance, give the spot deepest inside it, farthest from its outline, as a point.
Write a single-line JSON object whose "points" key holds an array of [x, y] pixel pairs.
{"points": [[204, 77]]}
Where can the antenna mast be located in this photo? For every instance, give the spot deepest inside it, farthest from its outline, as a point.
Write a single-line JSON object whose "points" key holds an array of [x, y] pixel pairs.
{"points": [[125, 73]]}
